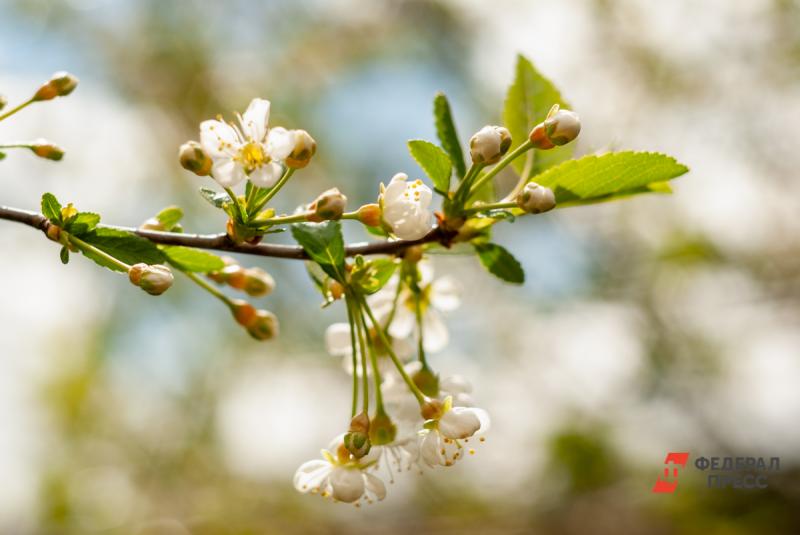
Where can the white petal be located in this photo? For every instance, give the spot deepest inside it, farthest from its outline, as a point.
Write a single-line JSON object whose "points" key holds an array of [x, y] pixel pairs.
{"points": [[445, 294], [403, 323], [403, 348], [347, 484], [425, 269], [483, 416], [337, 340], [218, 139], [267, 175], [310, 474], [436, 335], [227, 172], [375, 486], [459, 422], [280, 143], [429, 449], [395, 190], [398, 177], [255, 119], [337, 441]]}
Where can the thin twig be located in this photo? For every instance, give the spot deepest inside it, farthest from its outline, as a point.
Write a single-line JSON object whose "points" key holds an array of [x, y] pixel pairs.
{"points": [[222, 242]]}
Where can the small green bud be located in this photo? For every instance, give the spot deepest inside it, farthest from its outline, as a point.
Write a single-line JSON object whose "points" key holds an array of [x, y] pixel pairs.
{"points": [[329, 205], [45, 149], [427, 381], [60, 84], [193, 158], [489, 144], [257, 282], [155, 279], [304, 149], [536, 199], [264, 326]]}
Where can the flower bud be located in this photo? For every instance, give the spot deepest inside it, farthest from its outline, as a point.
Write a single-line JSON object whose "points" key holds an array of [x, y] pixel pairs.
{"points": [[381, 429], [536, 199], [235, 276], [489, 144], [243, 312], [155, 279], [193, 158], [60, 84], [218, 276], [562, 126], [264, 326], [304, 149], [257, 282], [370, 215], [329, 205], [357, 438], [44, 149], [152, 224], [559, 128]]}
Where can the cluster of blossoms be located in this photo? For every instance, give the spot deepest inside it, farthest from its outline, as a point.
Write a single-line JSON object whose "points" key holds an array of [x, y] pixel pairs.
{"points": [[408, 415]]}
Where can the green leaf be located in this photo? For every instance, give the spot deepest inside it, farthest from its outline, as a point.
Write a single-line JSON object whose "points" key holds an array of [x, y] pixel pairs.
{"points": [[194, 260], [500, 263], [64, 255], [528, 100], [324, 243], [434, 161], [122, 245], [82, 223], [373, 275], [446, 132], [51, 208], [169, 217], [613, 175], [215, 198]]}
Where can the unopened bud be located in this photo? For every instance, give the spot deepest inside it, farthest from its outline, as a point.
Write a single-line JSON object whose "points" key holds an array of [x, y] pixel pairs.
{"points": [[155, 279], [370, 215], [235, 276], [44, 149], [217, 276], [304, 149], [264, 326], [559, 128], [243, 312], [562, 126], [193, 158], [60, 84], [357, 439], [536, 199], [329, 205], [152, 224], [489, 144], [257, 282], [381, 429]]}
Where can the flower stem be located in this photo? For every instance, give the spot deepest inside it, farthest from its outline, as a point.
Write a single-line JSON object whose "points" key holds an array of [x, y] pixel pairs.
{"points": [[375, 371], [286, 219], [80, 244], [209, 288], [239, 208], [500, 166], [420, 338], [275, 189], [490, 206], [399, 365], [12, 111], [463, 188], [363, 350], [351, 321]]}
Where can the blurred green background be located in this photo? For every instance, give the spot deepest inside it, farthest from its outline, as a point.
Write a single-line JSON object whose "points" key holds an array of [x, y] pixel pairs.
{"points": [[646, 326]]}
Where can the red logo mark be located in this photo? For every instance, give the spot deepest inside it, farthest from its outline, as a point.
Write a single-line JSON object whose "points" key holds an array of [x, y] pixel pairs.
{"points": [[670, 482]]}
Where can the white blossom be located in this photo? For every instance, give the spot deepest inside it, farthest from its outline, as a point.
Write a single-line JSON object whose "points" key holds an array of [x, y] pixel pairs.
{"points": [[405, 207], [249, 150], [340, 476], [442, 440], [338, 344]]}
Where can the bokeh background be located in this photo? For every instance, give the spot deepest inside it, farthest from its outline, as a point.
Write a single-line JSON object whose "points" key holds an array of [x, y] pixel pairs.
{"points": [[663, 323]]}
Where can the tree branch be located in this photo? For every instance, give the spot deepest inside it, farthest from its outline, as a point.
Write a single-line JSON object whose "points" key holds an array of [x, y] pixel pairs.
{"points": [[222, 242]]}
